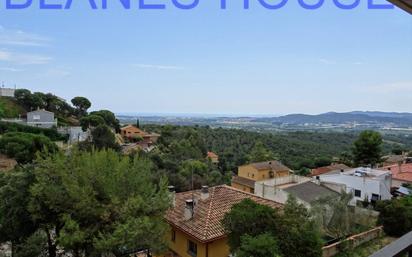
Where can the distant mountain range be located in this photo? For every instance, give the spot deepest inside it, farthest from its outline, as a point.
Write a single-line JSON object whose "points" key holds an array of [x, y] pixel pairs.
{"points": [[342, 118]]}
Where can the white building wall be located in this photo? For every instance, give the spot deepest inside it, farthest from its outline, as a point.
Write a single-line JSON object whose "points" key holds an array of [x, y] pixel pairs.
{"points": [[7, 92], [367, 185]]}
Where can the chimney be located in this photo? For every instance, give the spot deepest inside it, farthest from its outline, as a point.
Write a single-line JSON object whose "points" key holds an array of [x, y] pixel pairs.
{"points": [[204, 194], [189, 209], [172, 193]]}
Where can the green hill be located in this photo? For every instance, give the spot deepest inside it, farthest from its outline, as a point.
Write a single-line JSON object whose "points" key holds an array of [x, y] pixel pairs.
{"points": [[9, 108]]}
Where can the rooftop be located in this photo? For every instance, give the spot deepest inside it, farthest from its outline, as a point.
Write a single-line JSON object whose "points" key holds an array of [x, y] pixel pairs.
{"points": [[400, 172], [205, 225], [212, 155], [326, 169], [310, 192], [366, 172], [243, 181], [269, 165]]}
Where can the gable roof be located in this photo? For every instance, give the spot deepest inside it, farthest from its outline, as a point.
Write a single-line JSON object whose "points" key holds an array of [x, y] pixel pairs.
{"points": [[310, 192], [205, 226], [269, 165], [327, 169]]}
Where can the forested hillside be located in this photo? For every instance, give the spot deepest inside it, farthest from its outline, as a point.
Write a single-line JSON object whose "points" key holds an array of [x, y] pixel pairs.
{"points": [[295, 149]]}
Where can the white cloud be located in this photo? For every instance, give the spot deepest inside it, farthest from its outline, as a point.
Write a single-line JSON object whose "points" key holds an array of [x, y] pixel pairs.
{"points": [[158, 67], [9, 69], [21, 38], [326, 61], [23, 59]]}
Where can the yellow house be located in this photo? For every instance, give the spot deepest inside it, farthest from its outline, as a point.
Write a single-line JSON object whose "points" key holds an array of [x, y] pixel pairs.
{"points": [[195, 220], [249, 174]]}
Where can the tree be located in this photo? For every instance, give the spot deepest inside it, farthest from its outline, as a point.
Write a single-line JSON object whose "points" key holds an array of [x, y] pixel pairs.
{"points": [[24, 146], [260, 153], [264, 245], [82, 104], [109, 118], [16, 223], [299, 235], [333, 215], [248, 218], [294, 231], [23, 97], [395, 216], [103, 138], [91, 121], [367, 148], [99, 203]]}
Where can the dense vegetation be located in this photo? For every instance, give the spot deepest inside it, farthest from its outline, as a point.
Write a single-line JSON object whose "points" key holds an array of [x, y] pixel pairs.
{"points": [[294, 149], [9, 108], [83, 204], [396, 216], [52, 134], [23, 147], [251, 226]]}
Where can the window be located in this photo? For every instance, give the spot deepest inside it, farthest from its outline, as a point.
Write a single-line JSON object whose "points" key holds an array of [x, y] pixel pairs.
{"points": [[173, 236], [375, 197], [358, 193], [191, 248]]}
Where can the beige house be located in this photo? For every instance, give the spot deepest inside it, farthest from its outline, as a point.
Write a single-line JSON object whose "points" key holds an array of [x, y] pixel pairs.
{"points": [[249, 174]]}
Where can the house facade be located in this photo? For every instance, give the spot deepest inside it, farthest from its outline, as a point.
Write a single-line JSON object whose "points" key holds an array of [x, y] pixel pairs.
{"points": [[249, 174], [132, 133], [364, 183], [195, 221], [41, 119], [7, 92]]}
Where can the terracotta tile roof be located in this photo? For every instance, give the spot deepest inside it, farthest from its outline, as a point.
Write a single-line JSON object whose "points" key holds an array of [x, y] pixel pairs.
{"points": [[205, 226], [243, 181], [400, 172], [212, 155], [326, 169], [274, 165]]}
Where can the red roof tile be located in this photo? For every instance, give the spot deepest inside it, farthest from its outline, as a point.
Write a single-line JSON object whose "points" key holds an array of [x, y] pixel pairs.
{"points": [[212, 155], [205, 225], [400, 172], [326, 169]]}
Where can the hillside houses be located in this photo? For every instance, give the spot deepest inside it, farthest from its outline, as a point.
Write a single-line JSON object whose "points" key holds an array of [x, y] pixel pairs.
{"points": [[195, 220], [250, 173], [305, 190], [365, 184]]}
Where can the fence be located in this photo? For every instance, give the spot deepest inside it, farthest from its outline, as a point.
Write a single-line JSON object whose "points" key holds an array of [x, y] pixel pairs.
{"points": [[352, 242]]}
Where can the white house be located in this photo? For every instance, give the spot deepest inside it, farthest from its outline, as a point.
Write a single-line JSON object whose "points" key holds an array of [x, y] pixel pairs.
{"points": [[41, 118], [9, 92], [364, 183], [303, 189]]}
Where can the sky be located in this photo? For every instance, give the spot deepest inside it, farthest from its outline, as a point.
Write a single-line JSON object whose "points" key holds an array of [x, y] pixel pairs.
{"points": [[208, 60]]}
